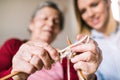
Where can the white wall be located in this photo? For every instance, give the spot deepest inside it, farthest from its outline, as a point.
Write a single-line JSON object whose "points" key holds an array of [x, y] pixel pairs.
{"points": [[115, 9], [15, 16]]}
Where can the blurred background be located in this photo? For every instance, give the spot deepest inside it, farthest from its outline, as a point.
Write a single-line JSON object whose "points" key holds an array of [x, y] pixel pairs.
{"points": [[15, 16]]}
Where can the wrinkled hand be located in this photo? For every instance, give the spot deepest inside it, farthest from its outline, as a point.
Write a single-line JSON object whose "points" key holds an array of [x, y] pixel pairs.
{"points": [[33, 56], [88, 57]]}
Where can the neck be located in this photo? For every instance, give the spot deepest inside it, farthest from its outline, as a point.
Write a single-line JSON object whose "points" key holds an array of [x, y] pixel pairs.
{"points": [[109, 27], [37, 39]]}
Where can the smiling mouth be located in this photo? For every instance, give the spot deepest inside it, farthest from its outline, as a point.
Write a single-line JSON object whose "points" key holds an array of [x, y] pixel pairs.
{"points": [[95, 21], [49, 32]]}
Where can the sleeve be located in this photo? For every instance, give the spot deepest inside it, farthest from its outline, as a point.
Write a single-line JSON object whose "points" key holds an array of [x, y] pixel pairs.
{"points": [[7, 51]]}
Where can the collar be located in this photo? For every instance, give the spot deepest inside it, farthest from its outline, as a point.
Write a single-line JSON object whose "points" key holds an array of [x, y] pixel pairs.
{"points": [[96, 34]]}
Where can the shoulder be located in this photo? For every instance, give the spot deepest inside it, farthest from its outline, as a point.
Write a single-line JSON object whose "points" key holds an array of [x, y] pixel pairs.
{"points": [[12, 44], [13, 41]]}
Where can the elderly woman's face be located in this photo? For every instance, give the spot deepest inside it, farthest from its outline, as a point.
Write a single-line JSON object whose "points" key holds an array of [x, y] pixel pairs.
{"points": [[94, 12], [46, 25]]}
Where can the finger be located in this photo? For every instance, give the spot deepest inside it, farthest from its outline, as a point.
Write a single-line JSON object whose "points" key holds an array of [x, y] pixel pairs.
{"points": [[84, 48], [26, 55], [52, 52], [79, 66], [85, 67], [23, 66], [37, 62], [44, 56], [80, 36], [86, 57]]}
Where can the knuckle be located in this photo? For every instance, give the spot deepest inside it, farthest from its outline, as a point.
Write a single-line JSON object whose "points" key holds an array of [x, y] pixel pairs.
{"points": [[89, 53], [42, 52], [31, 70], [93, 47], [23, 46], [38, 63], [90, 56], [53, 52], [75, 66], [48, 66], [95, 43]]}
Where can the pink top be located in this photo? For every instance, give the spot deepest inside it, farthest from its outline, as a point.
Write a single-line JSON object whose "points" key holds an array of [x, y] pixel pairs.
{"points": [[43, 74]]}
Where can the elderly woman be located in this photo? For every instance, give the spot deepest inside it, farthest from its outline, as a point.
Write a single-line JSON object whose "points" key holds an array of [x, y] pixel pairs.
{"points": [[94, 18], [38, 60]]}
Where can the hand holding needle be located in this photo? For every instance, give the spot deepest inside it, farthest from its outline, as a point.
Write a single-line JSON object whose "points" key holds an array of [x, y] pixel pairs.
{"points": [[80, 74]]}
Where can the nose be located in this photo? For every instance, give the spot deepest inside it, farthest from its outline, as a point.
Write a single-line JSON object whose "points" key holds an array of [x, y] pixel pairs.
{"points": [[90, 13], [50, 23]]}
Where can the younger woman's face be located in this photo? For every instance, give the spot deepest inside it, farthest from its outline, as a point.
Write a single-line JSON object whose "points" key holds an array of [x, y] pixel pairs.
{"points": [[94, 13], [46, 25]]}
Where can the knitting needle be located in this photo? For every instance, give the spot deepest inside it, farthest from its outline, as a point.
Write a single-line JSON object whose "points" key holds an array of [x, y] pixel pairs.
{"points": [[9, 76], [68, 61], [78, 71]]}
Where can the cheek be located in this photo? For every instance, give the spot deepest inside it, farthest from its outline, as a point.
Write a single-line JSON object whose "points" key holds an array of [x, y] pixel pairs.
{"points": [[36, 30], [57, 30], [84, 17], [39, 24], [102, 9], [103, 13]]}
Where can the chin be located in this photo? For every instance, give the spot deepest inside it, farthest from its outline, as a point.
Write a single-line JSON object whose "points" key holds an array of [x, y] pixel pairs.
{"points": [[98, 27], [48, 40]]}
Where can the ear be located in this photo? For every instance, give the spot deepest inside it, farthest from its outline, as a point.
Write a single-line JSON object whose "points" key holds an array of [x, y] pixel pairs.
{"points": [[31, 27]]}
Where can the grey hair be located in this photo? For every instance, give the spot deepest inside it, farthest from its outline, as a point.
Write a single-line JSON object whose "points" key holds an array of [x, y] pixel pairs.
{"points": [[52, 5]]}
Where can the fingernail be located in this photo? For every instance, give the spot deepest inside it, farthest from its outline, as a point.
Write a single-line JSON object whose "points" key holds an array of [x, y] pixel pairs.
{"points": [[72, 60]]}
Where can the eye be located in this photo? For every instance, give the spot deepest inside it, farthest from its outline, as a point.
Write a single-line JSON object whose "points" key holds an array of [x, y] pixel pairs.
{"points": [[94, 4], [56, 21], [44, 18], [41, 18]]}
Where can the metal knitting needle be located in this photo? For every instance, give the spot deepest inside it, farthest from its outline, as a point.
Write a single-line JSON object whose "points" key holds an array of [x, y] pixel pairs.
{"points": [[78, 71]]}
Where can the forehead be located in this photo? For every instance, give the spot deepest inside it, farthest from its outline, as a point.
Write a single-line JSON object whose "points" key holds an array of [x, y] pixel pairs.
{"points": [[48, 11], [84, 3]]}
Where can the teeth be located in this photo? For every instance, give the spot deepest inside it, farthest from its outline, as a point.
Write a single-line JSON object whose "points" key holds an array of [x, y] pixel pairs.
{"points": [[95, 21]]}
